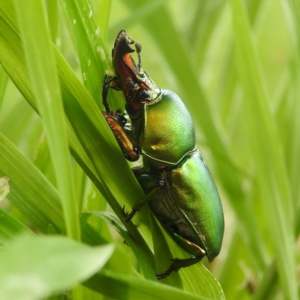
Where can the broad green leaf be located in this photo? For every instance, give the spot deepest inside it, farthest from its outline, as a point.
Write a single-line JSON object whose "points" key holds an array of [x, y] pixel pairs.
{"points": [[36, 267]]}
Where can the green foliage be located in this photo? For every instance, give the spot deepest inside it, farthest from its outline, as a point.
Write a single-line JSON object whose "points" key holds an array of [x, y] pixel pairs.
{"points": [[47, 265], [236, 66]]}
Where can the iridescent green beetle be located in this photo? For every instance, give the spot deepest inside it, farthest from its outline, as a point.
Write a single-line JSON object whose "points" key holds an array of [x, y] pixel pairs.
{"points": [[179, 188]]}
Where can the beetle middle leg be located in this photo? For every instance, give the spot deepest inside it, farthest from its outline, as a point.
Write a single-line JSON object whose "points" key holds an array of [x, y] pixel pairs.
{"points": [[138, 205], [150, 186]]}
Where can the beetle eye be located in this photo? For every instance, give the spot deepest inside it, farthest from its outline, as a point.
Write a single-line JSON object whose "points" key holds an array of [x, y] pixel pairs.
{"points": [[174, 228], [144, 96]]}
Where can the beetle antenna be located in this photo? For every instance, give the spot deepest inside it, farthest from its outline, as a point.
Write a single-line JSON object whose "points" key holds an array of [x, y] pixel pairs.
{"points": [[138, 48]]}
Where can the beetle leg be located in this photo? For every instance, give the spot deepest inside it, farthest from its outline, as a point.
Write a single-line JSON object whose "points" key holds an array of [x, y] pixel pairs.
{"points": [[177, 264], [109, 82], [137, 205], [117, 121], [131, 152], [150, 187]]}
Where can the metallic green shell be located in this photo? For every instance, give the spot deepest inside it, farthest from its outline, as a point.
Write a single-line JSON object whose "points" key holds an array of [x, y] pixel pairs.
{"points": [[168, 130], [191, 205]]}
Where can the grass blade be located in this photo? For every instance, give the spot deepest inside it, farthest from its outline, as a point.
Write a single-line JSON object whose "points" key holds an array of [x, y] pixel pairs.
{"points": [[267, 151], [44, 79]]}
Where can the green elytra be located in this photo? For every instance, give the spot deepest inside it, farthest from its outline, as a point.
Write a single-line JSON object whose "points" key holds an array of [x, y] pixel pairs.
{"points": [[179, 188]]}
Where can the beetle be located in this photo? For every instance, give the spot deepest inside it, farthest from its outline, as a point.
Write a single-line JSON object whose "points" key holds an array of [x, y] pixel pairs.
{"points": [[178, 186]]}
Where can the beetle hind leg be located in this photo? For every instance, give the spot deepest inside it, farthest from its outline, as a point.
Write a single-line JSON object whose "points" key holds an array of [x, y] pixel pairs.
{"points": [[177, 264], [192, 248]]}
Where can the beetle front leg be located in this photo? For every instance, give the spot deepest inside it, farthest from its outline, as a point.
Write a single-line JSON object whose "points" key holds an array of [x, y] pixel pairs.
{"points": [[131, 152], [109, 82], [117, 121]]}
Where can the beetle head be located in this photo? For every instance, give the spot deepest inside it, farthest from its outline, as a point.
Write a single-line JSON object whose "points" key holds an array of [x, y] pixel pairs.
{"points": [[137, 86]]}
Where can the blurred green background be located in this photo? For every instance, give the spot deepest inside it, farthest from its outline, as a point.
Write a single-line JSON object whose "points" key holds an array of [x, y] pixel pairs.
{"points": [[236, 66]]}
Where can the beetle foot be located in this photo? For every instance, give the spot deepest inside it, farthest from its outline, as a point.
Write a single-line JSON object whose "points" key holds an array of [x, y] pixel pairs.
{"points": [[128, 215], [165, 274]]}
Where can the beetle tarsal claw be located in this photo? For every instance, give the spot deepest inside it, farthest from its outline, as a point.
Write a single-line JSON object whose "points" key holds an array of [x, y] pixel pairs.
{"points": [[128, 215], [168, 272]]}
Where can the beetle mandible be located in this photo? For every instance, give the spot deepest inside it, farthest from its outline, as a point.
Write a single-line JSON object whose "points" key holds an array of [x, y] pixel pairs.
{"points": [[179, 188]]}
